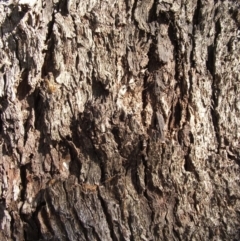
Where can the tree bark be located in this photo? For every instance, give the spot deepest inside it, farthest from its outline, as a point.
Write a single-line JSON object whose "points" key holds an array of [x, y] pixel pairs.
{"points": [[119, 120]]}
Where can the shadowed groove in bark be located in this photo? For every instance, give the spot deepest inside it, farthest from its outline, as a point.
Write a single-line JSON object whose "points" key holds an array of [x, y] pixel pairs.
{"points": [[215, 88], [108, 217]]}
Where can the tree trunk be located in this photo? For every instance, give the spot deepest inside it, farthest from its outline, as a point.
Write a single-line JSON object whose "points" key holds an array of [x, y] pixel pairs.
{"points": [[119, 120]]}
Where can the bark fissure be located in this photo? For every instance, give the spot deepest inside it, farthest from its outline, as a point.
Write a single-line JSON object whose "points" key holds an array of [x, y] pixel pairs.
{"points": [[108, 216], [84, 229]]}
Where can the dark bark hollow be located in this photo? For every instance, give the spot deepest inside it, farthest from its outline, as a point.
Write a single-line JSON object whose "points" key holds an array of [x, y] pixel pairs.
{"points": [[119, 120]]}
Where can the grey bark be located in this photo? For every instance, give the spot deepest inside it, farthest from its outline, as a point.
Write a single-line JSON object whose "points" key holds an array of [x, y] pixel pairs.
{"points": [[119, 120]]}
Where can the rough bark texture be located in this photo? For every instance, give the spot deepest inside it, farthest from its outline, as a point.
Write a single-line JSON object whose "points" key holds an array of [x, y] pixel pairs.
{"points": [[119, 120]]}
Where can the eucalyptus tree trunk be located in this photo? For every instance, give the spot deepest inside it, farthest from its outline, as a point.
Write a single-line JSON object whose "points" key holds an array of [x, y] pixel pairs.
{"points": [[119, 120]]}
